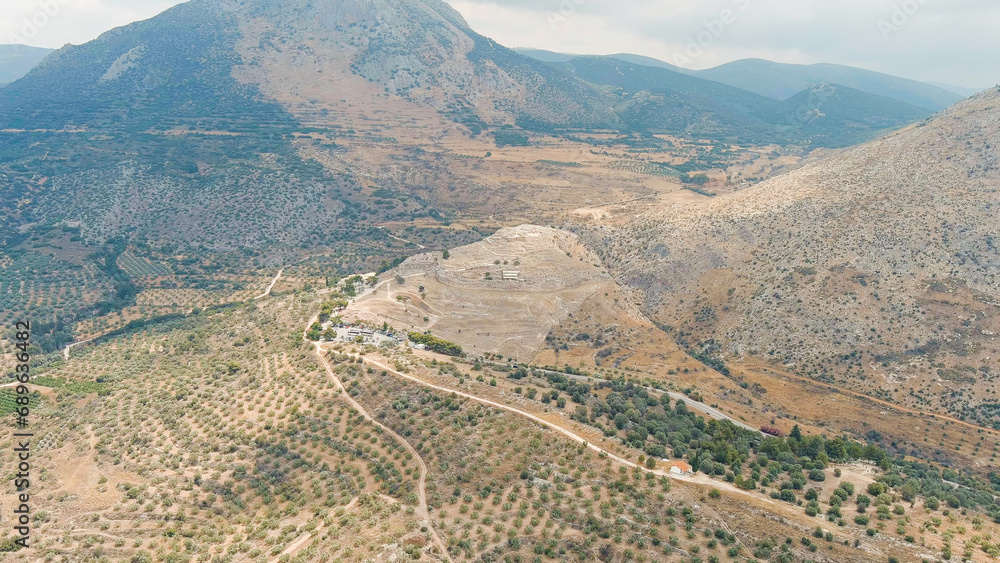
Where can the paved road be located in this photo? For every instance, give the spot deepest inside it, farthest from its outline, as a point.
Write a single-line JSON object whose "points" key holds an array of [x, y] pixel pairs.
{"points": [[709, 410]]}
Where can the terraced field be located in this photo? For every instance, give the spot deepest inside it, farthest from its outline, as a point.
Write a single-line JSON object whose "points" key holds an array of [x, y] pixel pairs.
{"points": [[45, 286], [237, 441], [139, 267]]}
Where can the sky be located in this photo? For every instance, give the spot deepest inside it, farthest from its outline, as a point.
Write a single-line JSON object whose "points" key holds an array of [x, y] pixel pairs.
{"points": [[946, 41]]}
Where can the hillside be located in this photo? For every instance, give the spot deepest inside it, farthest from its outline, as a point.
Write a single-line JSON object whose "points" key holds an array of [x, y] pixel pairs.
{"points": [[782, 81], [875, 268], [465, 297], [17, 60], [226, 429], [834, 115], [660, 100], [664, 101]]}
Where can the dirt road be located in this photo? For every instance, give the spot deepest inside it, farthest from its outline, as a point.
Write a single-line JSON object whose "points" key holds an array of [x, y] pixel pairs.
{"points": [[422, 513], [69, 347], [691, 403], [270, 287], [568, 433]]}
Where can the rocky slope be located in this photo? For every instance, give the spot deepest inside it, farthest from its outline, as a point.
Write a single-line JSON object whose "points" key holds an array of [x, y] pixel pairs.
{"points": [[877, 267], [208, 107]]}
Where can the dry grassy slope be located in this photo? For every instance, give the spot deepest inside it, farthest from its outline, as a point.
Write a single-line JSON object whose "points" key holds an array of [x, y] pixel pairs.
{"points": [[459, 303], [566, 312], [888, 249]]}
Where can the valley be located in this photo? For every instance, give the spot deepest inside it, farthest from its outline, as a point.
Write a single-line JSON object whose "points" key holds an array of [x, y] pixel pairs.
{"points": [[346, 280]]}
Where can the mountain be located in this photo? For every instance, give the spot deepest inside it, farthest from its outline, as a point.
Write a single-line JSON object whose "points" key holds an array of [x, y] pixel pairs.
{"points": [[17, 60], [650, 61], [781, 81], [164, 127], [554, 57], [421, 50], [875, 268], [835, 115], [659, 100], [960, 90], [545, 56]]}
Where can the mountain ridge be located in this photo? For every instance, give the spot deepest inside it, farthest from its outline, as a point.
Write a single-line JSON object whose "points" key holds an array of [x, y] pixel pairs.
{"points": [[781, 81], [659, 100], [16, 60]]}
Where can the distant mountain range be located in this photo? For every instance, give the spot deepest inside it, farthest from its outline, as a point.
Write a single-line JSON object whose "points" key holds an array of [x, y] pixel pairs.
{"points": [[960, 90], [656, 99], [781, 81], [17, 60], [774, 80]]}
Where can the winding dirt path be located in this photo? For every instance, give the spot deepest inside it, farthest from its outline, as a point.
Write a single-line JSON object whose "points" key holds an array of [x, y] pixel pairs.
{"points": [[69, 347], [270, 287], [700, 480], [694, 479], [697, 479], [422, 512], [300, 542], [401, 239]]}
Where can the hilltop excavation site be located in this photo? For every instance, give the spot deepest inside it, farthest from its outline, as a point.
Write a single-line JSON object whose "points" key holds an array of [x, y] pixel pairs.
{"points": [[502, 295]]}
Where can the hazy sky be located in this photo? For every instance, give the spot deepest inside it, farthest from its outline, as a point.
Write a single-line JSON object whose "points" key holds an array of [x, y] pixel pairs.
{"points": [[951, 41]]}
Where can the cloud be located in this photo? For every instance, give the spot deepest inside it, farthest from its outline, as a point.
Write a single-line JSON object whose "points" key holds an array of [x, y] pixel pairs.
{"points": [[929, 40], [53, 23]]}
